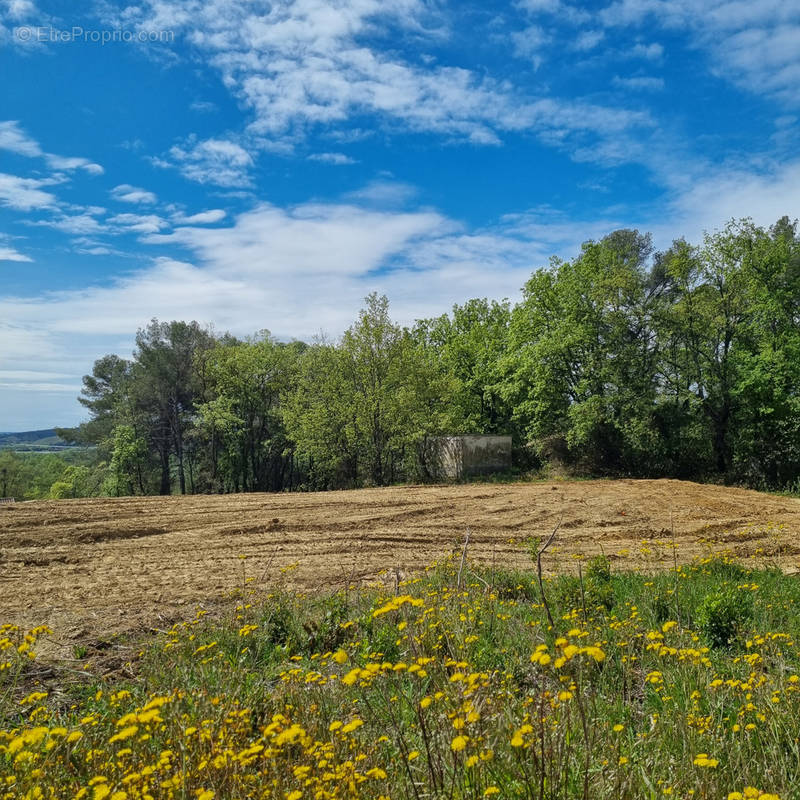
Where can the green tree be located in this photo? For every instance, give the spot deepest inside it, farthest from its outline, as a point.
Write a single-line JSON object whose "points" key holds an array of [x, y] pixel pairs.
{"points": [[583, 353], [321, 420], [242, 419], [362, 409], [766, 438], [165, 389], [471, 344], [130, 462], [705, 330]]}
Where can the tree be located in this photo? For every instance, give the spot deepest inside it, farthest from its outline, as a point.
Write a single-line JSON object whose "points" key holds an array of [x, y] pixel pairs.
{"points": [[765, 440], [471, 344], [242, 418], [705, 329], [130, 462], [361, 409], [165, 389], [101, 393], [582, 360], [321, 421]]}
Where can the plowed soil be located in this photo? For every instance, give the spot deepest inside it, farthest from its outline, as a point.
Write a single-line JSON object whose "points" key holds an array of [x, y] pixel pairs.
{"points": [[96, 567]]}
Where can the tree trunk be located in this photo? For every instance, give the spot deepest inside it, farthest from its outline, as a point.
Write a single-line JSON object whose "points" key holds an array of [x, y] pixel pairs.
{"points": [[166, 483]]}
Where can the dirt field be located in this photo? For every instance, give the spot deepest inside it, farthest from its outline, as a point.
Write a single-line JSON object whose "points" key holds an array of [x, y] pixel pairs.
{"points": [[90, 568]]}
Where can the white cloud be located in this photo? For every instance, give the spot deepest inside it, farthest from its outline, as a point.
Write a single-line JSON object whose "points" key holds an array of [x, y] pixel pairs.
{"points": [[19, 10], [652, 52], [126, 193], [565, 11], [203, 106], [14, 12], [16, 140], [539, 6], [138, 223], [31, 374], [308, 239], [217, 161], [61, 162], [94, 250], [723, 193], [754, 45], [42, 386], [305, 65], [588, 40], [530, 42], [78, 224], [25, 194], [383, 193], [202, 218], [339, 159], [10, 254]]}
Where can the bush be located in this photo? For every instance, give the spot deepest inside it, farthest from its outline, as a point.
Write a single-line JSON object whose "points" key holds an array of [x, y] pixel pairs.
{"points": [[599, 569], [722, 614], [598, 588]]}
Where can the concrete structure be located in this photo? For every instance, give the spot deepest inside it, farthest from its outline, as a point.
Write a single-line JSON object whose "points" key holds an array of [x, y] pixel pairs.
{"points": [[469, 454]]}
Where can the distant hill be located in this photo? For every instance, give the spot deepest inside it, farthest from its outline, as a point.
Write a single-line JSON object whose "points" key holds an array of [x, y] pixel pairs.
{"points": [[33, 440]]}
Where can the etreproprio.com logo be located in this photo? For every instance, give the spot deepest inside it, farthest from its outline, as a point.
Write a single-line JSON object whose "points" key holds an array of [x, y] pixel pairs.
{"points": [[45, 34]]}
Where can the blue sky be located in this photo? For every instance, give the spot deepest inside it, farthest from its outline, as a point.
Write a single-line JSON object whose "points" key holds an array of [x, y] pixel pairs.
{"points": [[263, 164]]}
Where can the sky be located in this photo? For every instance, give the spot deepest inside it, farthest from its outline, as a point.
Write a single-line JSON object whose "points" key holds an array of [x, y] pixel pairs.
{"points": [[266, 165]]}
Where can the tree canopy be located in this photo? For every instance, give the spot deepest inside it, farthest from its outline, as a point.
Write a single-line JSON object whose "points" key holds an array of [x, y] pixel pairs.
{"points": [[620, 361]]}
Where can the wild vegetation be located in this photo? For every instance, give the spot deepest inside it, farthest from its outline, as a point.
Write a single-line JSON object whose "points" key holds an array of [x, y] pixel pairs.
{"points": [[621, 361], [464, 682], [71, 472]]}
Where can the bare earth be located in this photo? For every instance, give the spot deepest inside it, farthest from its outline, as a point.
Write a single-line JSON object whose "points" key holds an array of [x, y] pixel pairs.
{"points": [[92, 568]]}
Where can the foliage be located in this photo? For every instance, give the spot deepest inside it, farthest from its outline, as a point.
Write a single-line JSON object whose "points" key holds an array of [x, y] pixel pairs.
{"points": [[619, 362], [362, 410], [436, 689], [240, 423], [34, 476], [722, 615]]}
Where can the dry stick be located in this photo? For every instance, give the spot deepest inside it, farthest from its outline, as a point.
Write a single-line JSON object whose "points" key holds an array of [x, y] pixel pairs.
{"points": [[463, 559], [478, 577], [266, 569], [539, 572]]}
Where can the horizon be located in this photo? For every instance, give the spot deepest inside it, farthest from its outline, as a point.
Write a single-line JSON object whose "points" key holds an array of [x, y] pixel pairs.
{"points": [[265, 166]]}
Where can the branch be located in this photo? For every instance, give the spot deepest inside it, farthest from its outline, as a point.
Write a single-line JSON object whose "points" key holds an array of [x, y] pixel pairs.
{"points": [[463, 559], [539, 571]]}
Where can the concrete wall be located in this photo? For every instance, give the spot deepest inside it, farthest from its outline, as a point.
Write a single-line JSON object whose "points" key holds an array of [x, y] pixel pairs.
{"points": [[471, 454]]}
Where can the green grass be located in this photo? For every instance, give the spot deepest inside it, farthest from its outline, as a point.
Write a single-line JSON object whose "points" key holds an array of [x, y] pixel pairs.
{"points": [[679, 684]]}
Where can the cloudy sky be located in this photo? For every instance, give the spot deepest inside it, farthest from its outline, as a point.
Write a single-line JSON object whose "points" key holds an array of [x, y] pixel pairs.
{"points": [[267, 164]]}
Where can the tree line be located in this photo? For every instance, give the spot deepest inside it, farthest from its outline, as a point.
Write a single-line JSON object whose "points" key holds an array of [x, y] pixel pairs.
{"points": [[620, 361]]}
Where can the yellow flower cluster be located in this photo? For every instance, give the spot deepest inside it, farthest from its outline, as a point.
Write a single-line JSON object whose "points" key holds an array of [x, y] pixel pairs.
{"points": [[448, 689]]}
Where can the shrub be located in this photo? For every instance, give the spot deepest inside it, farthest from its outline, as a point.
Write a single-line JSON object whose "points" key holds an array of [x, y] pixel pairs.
{"points": [[599, 588], [722, 613], [599, 569]]}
